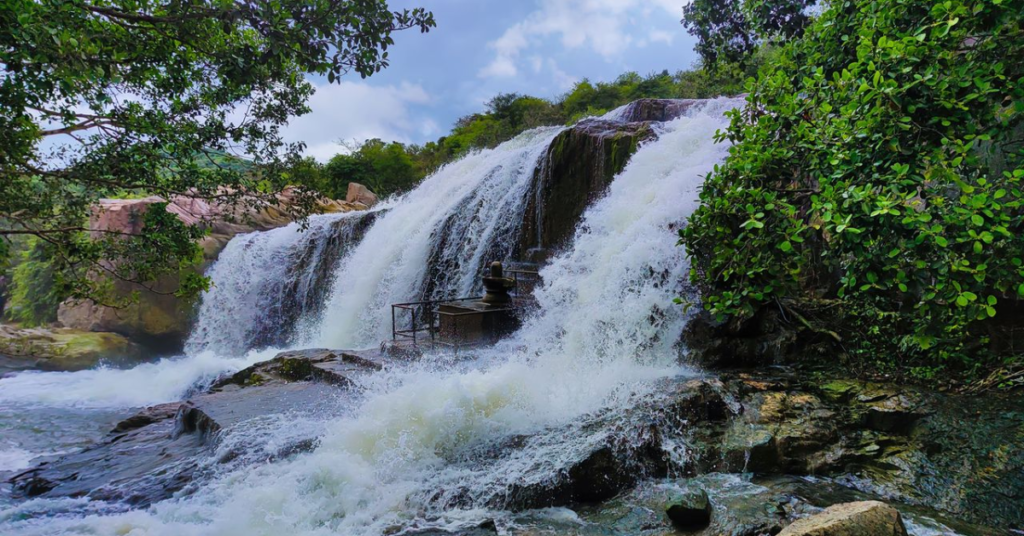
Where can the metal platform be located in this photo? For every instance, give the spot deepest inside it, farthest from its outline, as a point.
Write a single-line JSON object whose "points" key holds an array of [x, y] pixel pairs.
{"points": [[461, 322]]}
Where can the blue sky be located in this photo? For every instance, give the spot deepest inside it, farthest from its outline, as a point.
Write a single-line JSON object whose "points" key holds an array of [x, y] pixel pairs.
{"points": [[484, 47]]}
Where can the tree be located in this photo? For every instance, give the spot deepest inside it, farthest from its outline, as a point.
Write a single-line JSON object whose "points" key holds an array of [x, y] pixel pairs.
{"points": [[105, 98], [877, 170], [386, 168], [729, 31]]}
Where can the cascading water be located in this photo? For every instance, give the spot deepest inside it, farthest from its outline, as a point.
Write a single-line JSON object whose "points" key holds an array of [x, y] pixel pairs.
{"points": [[461, 217], [266, 285], [404, 457]]}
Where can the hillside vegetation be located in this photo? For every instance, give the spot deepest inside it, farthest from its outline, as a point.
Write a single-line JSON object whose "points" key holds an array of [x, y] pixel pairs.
{"points": [[393, 167]]}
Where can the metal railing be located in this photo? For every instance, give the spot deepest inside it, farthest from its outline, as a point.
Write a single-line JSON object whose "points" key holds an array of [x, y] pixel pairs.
{"points": [[423, 319]]}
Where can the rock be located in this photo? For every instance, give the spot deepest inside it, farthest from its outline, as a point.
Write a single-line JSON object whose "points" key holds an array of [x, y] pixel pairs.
{"points": [[897, 412], [160, 319], [749, 448], [627, 454], [691, 511], [656, 109], [64, 349], [155, 454], [357, 193], [321, 365], [581, 163], [741, 508], [758, 341], [866, 518], [701, 400]]}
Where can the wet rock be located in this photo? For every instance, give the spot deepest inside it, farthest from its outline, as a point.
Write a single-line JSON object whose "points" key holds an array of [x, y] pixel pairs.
{"points": [[138, 467], [657, 109], [580, 164], [627, 455], [701, 400], [320, 365], [146, 417], [749, 448], [153, 455], [866, 518], [690, 511], [898, 412], [740, 508], [64, 349], [764, 339]]}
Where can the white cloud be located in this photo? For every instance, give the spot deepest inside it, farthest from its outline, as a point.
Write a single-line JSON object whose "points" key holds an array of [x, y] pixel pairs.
{"points": [[661, 36], [358, 111], [604, 26]]}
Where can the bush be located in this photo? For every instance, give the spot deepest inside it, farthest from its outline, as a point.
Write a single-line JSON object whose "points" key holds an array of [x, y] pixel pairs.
{"points": [[878, 164]]}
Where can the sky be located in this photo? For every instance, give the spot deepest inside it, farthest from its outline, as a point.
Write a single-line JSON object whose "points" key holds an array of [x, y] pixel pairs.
{"points": [[481, 48]]}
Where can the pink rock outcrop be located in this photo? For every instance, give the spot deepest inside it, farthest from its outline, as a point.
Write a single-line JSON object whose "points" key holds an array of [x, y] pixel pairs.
{"points": [[162, 318]]}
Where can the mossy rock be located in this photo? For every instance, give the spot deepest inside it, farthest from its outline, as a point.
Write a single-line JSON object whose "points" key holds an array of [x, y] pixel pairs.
{"points": [[66, 349]]}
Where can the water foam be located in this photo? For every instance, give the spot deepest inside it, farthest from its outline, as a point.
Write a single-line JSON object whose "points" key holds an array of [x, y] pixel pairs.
{"points": [[465, 211], [402, 459]]}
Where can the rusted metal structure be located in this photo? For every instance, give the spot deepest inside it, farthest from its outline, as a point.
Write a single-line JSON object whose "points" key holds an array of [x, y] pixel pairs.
{"points": [[466, 321]]}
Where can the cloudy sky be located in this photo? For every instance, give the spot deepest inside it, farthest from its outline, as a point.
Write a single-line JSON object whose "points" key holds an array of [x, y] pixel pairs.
{"points": [[484, 47]]}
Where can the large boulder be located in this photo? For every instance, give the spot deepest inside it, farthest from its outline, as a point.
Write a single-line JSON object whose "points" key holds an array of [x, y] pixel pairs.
{"points": [[62, 348], [161, 451], [357, 193], [580, 164], [159, 319], [865, 518]]}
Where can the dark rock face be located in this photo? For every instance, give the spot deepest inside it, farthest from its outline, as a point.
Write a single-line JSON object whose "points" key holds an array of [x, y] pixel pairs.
{"points": [[303, 292], [656, 109], [628, 455], [691, 510], [158, 452], [580, 164]]}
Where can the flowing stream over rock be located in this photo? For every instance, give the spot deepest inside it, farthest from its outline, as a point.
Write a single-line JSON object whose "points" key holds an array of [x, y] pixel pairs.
{"points": [[411, 452]]}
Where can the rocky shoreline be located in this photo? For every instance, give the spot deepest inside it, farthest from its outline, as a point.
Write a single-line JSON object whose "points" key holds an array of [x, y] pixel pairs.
{"points": [[733, 453]]}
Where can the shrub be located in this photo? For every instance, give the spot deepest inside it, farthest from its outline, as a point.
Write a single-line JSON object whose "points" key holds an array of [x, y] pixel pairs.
{"points": [[878, 164]]}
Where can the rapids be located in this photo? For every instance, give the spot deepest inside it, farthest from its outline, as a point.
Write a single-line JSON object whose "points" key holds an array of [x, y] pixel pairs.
{"points": [[397, 458]]}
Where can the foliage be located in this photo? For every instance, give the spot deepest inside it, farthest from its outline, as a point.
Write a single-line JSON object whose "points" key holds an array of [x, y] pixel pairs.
{"points": [[34, 291], [385, 168], [109, 98], [878, 163], [510, 114], [730, 32]]}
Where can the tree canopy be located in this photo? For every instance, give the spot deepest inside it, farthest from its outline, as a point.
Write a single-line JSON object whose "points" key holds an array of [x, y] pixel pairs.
{"points": [[728, 31], [876, 171], [111, 98]]}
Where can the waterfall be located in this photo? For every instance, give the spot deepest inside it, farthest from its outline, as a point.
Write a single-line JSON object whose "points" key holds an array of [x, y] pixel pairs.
{"points": [[267, 285], [434, 242], [408, 456]]}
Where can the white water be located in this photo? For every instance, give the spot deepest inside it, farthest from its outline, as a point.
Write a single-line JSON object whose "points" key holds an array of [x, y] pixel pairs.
{"points": [[482, 194], [606, 328]]}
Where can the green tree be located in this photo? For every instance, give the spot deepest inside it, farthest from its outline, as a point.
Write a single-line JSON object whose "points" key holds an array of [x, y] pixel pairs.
{"points": [[729, 32], [385, 168], [105, 98], [878, 165]]}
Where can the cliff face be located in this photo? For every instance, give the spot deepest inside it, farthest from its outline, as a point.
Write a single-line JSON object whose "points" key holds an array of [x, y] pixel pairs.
{"points": [[580, 164], [159, 319]]}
